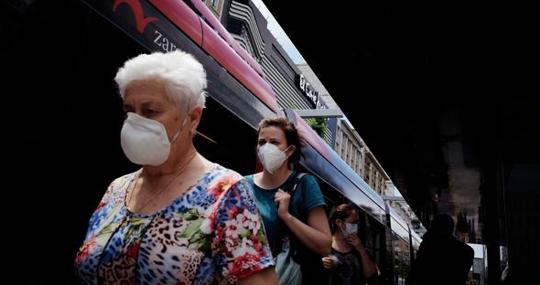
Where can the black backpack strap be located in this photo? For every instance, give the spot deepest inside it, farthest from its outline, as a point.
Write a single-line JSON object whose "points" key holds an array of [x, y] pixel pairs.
{"points": [[294, 242], [297, 180]]}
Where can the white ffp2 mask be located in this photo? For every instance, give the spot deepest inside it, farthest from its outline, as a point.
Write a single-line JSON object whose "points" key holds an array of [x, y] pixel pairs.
{"points": [[350, 229], [144, 141], [271, 157]]}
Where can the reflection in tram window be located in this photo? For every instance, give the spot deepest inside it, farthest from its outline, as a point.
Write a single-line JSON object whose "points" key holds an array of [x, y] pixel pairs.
{"points": [[349, 261]]}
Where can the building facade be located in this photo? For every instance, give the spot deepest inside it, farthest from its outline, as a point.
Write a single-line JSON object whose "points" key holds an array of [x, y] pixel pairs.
{"points": [[250, 28]]}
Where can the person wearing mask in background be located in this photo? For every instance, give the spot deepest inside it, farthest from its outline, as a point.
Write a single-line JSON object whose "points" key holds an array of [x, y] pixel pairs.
{"points": [[349, 262], [179, 219], [297, 217]]}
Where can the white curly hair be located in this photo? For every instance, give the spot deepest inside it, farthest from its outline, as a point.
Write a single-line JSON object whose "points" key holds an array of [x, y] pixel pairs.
{"points": [[184, 77]]}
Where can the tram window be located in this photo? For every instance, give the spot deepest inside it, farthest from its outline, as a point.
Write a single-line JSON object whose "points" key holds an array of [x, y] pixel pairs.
{"points": [[218, 124], [401, 259]]}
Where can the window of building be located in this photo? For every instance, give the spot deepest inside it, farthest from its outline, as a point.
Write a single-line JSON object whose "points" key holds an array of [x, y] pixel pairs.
{"points": [[379, 186], [357, 160], [356, 165], [351, 151], [344, 148], [338, 141], [368, 172], [360, 162], [371, 173], [353, 159], [376, 182], [215, 3], [343, 144]]}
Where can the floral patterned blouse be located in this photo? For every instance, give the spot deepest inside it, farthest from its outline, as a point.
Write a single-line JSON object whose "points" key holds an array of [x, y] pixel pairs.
{"points": [[211, 234]]}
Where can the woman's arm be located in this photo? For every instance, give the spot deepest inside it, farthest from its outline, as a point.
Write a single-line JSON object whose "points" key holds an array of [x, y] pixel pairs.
{"points": [[315, 234], [369, 267], [264, 277]]}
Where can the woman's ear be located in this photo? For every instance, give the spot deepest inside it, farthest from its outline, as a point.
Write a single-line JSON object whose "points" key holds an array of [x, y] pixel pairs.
{"points": [[291, 149], [195, 118]]}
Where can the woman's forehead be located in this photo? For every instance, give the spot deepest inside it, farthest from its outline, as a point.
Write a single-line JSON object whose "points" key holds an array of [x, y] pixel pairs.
{"points": [[272, 131], [146, 91]]}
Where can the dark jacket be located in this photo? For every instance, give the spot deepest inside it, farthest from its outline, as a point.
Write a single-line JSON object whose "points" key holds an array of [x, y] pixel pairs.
{"points": [[441, 259]]}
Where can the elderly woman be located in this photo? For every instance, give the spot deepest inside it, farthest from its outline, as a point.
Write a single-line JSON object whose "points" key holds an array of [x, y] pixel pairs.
{"points": [[180, 219]]}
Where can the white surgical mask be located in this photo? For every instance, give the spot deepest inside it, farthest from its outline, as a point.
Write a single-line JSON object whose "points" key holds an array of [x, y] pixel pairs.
{"points": [[350, 229], [145, 141], [271, 157]]}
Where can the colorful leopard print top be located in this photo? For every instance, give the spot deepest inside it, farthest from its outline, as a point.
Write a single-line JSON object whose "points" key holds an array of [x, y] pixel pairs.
{"points": [[210, 235]]}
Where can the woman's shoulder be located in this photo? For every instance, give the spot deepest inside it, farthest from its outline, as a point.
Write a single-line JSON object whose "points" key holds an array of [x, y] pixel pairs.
{"points": [[118, 185], [307, 179], [220, 170], [226, 183], [124, 180], [311, 192], [253, 176], [223, 175], [306, 175]]}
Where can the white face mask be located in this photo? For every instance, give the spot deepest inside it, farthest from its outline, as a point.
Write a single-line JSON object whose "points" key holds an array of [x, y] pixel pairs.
{"points": [[271, 157], [144, 141], [350, 229]]}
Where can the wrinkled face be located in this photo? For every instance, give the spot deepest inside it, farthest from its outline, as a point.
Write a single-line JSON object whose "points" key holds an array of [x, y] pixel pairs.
{"points": [[149, 99], [275, 136]]}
